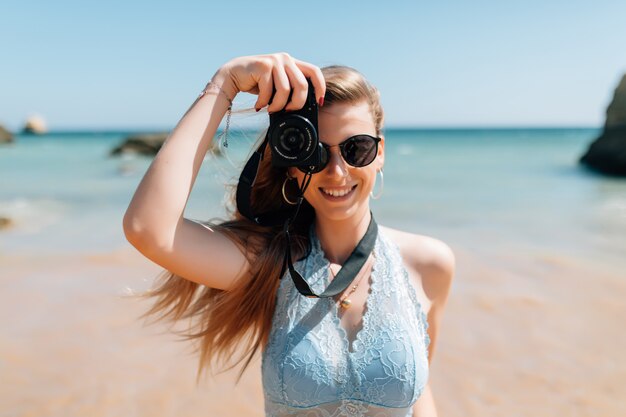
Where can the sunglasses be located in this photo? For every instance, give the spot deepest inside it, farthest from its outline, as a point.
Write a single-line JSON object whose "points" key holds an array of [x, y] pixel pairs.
{"points": [[358, 151]]}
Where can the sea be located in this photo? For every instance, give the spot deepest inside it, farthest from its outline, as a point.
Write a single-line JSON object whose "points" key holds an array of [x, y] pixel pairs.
{"points": [[494, 191]]}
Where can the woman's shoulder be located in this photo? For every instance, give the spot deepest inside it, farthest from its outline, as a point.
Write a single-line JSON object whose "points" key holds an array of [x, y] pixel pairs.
{"points": [[429, 258]]}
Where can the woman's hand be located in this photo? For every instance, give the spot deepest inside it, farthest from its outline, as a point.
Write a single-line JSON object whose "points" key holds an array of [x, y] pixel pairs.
{"points": [[261, 74]]}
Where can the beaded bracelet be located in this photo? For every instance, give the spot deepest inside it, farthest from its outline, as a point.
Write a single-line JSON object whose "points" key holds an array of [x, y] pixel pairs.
{"points": [[223, 137]]}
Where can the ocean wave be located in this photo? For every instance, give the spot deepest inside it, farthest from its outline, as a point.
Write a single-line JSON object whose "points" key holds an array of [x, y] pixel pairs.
{"points": [[32, 215]]}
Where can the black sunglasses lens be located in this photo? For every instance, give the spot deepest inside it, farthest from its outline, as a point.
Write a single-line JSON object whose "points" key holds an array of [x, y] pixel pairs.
{"points": [[323, 160], [360, 150]]}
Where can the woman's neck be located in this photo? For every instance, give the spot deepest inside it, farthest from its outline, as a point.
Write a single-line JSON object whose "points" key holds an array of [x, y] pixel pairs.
{"points": [[338, 238]]}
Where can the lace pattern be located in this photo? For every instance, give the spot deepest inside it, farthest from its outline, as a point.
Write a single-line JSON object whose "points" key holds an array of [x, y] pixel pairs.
{"points": [[308, 367]]}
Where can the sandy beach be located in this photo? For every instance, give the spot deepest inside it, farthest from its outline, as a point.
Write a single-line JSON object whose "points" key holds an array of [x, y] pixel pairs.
{"points": [[525, 335]]}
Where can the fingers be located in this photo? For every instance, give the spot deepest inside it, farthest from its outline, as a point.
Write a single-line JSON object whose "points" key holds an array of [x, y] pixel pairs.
{"points": [[317, 78], [266, 87], [282, 83], [300, 87], [261, 74], [282, 87]]}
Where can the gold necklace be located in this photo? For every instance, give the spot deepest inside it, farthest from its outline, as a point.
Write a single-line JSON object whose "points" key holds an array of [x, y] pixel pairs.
{"points": [[344, 301]]}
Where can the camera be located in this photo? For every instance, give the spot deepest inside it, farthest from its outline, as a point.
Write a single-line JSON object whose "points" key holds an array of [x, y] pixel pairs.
{"points": [[292, 136]]}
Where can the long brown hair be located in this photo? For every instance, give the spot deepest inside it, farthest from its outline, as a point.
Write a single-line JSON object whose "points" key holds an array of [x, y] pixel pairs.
{"points": [[242, 316]]}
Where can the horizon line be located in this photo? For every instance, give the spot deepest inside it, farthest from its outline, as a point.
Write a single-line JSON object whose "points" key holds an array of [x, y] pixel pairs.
{"points": [[252, 128]]}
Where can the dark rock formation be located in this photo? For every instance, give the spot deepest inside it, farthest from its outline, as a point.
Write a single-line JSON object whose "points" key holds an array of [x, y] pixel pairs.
{"points": [[5, 223], [616, 112], [144, 144], [607, 154], [147, 144], [5, 135]]}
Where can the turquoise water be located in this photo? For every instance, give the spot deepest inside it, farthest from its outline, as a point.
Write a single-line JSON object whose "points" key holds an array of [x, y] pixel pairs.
{"points": [[501, 190]]}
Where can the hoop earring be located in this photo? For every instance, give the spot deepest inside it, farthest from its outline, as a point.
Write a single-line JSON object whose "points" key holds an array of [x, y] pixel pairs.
{"points": [[285, 194], [382, 186]]}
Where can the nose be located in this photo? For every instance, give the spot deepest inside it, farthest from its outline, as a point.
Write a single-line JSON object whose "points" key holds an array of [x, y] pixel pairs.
{"points": [[336, 165]]}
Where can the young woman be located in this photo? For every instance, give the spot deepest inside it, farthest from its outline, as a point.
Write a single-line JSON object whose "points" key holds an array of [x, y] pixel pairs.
{"points": [[363, 352]]}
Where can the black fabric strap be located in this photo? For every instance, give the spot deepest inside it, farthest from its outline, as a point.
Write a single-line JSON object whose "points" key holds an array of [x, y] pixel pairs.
{"points": [[244, 191], [348, 271]]}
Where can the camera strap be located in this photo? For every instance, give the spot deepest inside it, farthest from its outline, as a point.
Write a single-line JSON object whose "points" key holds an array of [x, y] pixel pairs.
{"points": [[244, 191], [348, 271]]}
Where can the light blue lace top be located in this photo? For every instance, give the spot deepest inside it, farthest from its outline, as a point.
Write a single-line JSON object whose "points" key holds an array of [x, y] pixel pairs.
{"points": [[308, 368]]}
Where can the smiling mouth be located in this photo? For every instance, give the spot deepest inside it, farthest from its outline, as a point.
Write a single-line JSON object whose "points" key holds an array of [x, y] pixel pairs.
{"points": [[337, 193]]}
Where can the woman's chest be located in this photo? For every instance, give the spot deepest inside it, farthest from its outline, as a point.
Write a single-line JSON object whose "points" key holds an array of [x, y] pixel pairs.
{"points": [[375, 350], [384, 364]]}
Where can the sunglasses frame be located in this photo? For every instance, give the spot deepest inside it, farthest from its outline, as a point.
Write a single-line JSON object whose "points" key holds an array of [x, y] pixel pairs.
{"points": [[342, 145]]}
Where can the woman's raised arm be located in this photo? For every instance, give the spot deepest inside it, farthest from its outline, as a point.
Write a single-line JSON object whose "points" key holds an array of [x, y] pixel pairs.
{"points": [[154, 221]]}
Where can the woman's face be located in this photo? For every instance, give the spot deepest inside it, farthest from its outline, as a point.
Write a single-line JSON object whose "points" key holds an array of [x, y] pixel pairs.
{"points": [[351, 186]]}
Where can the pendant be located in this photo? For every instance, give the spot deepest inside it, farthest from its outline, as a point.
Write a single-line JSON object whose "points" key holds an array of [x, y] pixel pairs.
{"points": [[346, 303]]}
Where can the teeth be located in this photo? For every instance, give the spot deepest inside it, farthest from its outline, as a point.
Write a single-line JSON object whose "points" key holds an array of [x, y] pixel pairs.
{"points": [[335, 192]]}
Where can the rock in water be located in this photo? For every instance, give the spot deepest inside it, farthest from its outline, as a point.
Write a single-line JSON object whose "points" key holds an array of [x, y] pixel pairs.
{"points": [[5, 223], [607, 154], [143, 144], [148, 144], [616, 112], [5, 135], [35, 125]]}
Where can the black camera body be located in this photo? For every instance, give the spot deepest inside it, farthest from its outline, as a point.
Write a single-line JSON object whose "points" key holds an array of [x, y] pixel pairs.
{"points": [[293, 138]]}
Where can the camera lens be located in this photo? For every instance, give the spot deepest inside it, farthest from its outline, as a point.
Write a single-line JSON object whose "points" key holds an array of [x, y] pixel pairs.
{"points": [[291, 143], [292, 138]]}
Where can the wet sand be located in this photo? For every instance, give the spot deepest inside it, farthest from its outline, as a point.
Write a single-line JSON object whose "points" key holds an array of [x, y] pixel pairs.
{"points": [[523, 335]]}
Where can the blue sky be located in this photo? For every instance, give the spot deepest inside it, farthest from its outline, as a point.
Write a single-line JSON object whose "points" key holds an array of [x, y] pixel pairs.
{"points": [[123, 64]]}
